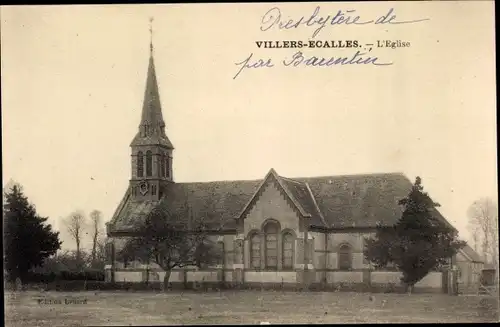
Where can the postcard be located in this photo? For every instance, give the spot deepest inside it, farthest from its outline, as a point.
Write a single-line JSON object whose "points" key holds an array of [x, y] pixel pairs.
{"points": [[249, 163]]}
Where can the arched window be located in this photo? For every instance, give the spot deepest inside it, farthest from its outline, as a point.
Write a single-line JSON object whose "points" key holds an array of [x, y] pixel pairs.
{"points": [[255, 251], [149, 164], [167, 165], [140, 164], [271, 236], [288, 250], [345, 257], [162, 165]]}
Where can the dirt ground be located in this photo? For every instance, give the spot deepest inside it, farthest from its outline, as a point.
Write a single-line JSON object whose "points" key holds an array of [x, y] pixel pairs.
{"points": [[240, 307]]}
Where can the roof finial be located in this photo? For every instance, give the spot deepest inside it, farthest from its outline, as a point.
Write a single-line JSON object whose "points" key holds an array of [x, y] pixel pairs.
{"points": [[151, 34]]}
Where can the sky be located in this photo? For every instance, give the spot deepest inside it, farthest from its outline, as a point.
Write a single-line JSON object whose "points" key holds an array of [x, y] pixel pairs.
{"points": [[73, 81]]}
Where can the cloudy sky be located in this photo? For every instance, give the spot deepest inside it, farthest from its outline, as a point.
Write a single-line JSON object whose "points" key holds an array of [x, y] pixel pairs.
{"points": [[73, 81]]}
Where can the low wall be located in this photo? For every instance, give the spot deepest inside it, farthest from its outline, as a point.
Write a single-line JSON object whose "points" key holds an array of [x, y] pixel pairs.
{"points": [[175, 276], [270, 276], [354, 277], [139, 276], [385, 277], [384, 280], [198, 276], [128, 276], [376, 280]]}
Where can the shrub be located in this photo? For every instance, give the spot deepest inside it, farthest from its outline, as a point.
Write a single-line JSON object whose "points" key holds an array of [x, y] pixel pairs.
{"points": [[50, 277]]}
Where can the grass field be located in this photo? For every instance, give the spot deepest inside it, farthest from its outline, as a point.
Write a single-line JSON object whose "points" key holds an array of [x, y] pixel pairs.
{"points": [[241, 307]]}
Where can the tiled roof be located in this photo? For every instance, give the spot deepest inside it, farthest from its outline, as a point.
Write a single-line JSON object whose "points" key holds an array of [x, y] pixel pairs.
{"points": [[303, 194], [362, 200], [134, 212], [359, 200], [473, 255], [331, 201], [217, 203]]}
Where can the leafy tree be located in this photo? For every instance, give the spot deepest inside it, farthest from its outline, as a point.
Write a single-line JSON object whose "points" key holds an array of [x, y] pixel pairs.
{"points": [[28, 239], [418, 243], [171, 242]]}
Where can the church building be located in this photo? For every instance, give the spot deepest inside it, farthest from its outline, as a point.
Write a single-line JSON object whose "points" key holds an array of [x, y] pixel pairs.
{"points": [[274, 231]]}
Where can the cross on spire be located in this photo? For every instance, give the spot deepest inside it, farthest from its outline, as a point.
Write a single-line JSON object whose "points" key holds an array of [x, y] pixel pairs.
{"points": [[151, 33]]}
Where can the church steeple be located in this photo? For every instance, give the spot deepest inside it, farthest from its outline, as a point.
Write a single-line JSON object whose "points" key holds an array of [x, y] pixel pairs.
{"points": [[152, 126], [151, 148]]}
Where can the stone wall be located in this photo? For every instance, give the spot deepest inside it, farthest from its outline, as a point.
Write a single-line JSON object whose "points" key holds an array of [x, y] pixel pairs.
{"points": [[323, 249]]}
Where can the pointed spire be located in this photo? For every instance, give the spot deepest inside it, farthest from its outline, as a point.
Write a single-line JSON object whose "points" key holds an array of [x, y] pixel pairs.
{"points": [[152, 126]]}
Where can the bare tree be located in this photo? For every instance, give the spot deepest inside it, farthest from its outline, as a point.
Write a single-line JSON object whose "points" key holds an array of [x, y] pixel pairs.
{"points": [[98, 261], [101, 252], [171, 241], [75, 224], [475, 236], [95, 219], [483, 224]]}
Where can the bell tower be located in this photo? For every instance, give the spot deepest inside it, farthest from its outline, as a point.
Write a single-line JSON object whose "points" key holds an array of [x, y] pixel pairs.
{"points": [[151, 148]]}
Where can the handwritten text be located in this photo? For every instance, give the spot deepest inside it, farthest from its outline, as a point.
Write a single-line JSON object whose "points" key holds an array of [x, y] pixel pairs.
{"points": [[298, 59], [274, 18]]}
